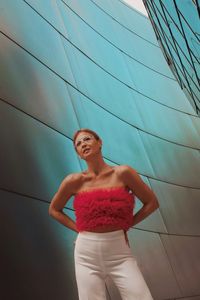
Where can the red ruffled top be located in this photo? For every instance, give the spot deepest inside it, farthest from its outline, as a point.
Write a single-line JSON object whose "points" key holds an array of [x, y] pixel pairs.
{"points": [[104, 206]]}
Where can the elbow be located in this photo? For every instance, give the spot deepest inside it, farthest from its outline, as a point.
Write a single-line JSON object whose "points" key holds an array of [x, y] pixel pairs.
{"points": [[51, 211], [155, 204]]}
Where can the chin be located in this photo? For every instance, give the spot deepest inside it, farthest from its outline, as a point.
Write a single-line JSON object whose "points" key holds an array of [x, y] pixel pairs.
{"points": [[89, 156]]}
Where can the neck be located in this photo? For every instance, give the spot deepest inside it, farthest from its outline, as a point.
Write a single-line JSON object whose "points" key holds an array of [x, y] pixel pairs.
{"points": [[96, 165]]}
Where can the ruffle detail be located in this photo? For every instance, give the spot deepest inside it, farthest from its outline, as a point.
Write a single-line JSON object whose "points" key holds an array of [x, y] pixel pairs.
{"points": [[105, 206]]}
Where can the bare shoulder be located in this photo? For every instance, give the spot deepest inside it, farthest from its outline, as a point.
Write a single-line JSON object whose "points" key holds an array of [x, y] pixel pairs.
{"points": [[73, 177], [130, 177], [124, 170], [66, 189], [71, 182]]}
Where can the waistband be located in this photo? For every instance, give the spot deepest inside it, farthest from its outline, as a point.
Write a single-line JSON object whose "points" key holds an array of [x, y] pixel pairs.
{"points": [[111, 235]]}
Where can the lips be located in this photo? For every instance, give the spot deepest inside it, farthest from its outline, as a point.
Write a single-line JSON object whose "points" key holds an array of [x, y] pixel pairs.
{"points": [[86, 150]]}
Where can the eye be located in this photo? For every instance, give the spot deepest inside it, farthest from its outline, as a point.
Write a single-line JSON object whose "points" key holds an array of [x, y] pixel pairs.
{"points": [[87, 139]]}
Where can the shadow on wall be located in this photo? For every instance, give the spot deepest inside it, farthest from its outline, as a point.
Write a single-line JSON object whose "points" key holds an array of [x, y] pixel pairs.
{"points": [[37, 256]]}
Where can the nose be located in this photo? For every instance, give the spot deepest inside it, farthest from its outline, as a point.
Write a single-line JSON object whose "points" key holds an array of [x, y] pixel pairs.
{"points": [[84, 145]]}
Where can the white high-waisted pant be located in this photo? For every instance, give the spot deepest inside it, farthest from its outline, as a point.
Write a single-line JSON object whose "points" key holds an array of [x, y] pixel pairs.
{"points": [[98, 255]]}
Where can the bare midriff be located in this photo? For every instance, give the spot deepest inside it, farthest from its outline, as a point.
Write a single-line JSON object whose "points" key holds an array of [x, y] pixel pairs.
{"points": [[106, 228]]}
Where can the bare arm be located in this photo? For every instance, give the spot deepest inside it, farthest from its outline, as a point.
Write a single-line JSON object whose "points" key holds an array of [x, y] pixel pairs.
{"points": [[150, 202], [65, 191]]}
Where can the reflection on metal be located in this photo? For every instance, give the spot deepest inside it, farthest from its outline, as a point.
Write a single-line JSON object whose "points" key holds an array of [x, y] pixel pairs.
{"points": [[176, 25]]}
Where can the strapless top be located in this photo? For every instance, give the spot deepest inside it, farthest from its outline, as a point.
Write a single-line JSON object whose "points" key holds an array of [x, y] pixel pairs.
{"points": [[104, 206]]}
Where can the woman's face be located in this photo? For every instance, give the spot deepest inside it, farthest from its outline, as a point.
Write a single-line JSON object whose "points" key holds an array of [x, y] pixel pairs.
{"points": [[86, 144]]}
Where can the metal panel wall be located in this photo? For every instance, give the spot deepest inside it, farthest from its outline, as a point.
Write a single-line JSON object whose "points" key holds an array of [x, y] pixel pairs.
{"points": [[69, 64]]}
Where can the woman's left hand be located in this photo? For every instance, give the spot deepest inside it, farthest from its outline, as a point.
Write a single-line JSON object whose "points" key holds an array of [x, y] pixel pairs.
{"points": [[126, 238]]}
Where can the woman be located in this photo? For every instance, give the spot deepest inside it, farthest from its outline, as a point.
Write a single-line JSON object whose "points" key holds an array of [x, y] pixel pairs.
{"points": [[103, 202]]}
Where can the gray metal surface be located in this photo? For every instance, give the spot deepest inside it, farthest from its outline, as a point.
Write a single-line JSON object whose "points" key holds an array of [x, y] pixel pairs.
{"points": [[184, 256], [36, 253], [154, 264], [179, 207], [28, 147]]}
